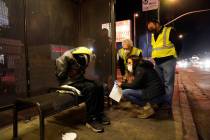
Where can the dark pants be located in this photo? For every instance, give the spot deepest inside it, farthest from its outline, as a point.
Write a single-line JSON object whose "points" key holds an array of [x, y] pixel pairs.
{"points": [[93, 95]]}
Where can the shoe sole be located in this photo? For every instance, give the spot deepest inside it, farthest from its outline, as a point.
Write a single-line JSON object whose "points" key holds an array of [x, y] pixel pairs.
{"points": [[139, 111], [145, 116], [93, 129], [106, 123]]}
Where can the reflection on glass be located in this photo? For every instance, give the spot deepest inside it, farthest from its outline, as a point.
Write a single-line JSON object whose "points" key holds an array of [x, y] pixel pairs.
{"points": [[1, 59], [4, 21]]}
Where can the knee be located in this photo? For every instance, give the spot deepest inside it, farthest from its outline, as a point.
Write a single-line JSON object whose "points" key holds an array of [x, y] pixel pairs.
{"points": [[96, 88], [91, 85], [126, 93]]}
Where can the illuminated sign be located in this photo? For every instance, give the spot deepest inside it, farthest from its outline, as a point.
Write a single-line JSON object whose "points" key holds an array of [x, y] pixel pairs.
{"points": [[150, 5], [123, 30], [2, 59]]}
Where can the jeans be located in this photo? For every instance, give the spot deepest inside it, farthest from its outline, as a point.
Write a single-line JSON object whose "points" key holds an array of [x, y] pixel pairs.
{"points": [[166, 72], [135, 96]]}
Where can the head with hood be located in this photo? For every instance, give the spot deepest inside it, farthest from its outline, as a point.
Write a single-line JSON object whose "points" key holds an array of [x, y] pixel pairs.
{"points": [[82, 57], [73, 62]]}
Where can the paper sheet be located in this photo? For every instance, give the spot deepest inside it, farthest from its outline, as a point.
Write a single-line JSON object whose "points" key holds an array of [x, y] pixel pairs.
{"points": [[116, 93]]}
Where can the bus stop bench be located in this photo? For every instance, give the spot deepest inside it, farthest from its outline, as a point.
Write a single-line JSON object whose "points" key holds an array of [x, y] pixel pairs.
{"points": [[47, 105]]}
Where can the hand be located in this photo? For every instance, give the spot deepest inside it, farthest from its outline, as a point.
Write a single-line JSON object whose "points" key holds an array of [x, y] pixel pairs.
{"points": [[130, 79], [124, 78], [119, 84]]}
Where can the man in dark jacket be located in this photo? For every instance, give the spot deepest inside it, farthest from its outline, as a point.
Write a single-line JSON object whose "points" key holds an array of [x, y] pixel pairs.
{"points": [[146, 86], [70, 70]]}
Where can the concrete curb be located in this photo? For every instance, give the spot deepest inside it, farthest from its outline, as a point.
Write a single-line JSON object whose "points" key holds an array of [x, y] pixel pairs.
{"points": [[184, 123], [177, 112]]}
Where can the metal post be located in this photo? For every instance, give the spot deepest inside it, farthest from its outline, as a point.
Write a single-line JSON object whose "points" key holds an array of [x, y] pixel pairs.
{"points": [[41, 123], [15, 123], [158, 11], [113, 31], [185, 14], [135, 15], [134, 29], [26, 50], [41, 127], [147, 36]]}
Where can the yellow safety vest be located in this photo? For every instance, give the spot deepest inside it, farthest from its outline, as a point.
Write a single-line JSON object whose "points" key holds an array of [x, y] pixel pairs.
{"points": [[134, 51], [163, 47]]}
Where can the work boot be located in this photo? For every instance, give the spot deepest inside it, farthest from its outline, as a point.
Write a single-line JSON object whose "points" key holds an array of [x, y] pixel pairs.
{"points": [[136, 111], [126, 105], [94, 125], [155, 106], [165, 106], [147, 112]]}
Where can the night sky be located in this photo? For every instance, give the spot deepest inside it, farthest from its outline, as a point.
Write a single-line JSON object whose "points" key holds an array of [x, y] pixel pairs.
{"points": [[195, 27]]}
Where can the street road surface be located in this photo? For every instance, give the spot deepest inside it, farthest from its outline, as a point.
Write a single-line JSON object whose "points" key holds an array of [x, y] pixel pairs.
{"points": [[196, 82]]}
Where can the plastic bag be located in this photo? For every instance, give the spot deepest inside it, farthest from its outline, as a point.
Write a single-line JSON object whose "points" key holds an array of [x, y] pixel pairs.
{"points": [[69, 136]]}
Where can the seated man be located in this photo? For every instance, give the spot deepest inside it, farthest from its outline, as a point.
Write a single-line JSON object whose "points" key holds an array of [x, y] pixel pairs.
{"points": [[146, 86], [70, 71]]}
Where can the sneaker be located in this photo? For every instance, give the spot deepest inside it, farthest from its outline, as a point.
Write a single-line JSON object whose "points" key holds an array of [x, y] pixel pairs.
{"points": [[95, 126], [147, 112], [103, 119]]}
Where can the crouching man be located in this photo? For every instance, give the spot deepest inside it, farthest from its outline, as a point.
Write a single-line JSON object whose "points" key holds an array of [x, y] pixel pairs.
{"points": [[70, 70], [146, 88]]}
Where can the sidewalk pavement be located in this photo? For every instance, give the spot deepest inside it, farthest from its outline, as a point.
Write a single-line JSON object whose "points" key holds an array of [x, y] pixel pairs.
{"points": [[183, 119], [124, 126]]}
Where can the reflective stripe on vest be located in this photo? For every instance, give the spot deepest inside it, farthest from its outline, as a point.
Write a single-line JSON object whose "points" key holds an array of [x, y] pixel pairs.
{"points": [[163, 47]]}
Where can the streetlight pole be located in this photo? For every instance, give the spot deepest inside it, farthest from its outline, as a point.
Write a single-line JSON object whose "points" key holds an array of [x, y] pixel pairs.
{"points": [[135, 15], [185, 14], [158, 10]]}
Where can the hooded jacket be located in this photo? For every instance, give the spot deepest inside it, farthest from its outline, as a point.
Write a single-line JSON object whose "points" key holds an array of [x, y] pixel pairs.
{"points": [[146, 79], [68, 68]]}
